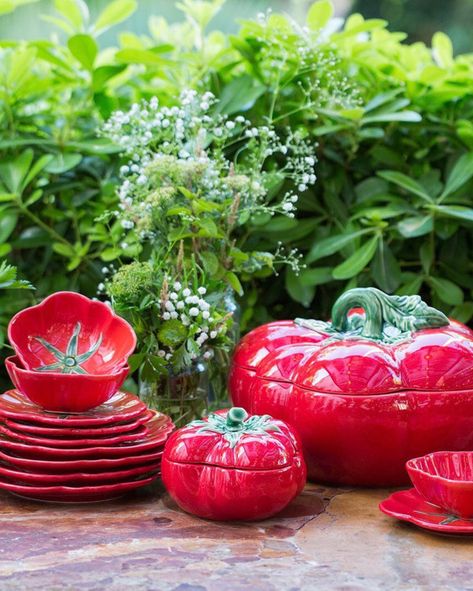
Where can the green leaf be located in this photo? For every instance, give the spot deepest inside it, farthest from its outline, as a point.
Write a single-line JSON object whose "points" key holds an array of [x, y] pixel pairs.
{"points": [[463, 312], [411, 287], [135, 361], [172, 333], [110, 254], [317, 276], [65, 250], [208, 228], [13, 171], [232, 279], [209, 261], [459, 175], [319, 15], [442, 50], [446, 290], [63, 162], [332, 244], [114, 13], [405, 116], [357, 261], [426, 253], [415, 226], [140, 56], [7, 6], [8, 278], [240, 95], [8, 221], [400, 179], [84, 49], [74, 11], [455, 211], [304, 294], [385, 268], [103, 74]]}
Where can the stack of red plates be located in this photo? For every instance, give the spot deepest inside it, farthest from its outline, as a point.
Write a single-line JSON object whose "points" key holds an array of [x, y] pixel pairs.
{"points": [[93, 456]]}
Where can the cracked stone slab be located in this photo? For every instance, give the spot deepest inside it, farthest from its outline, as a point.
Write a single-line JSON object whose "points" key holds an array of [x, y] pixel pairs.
{"points": [[328, 538]]}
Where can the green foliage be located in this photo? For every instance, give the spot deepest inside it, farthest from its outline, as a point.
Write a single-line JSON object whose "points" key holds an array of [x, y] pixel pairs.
{"points": [[392, 205]]}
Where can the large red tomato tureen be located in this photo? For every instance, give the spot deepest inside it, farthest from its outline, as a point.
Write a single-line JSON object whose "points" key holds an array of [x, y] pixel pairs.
{"points": [[386, 380]]}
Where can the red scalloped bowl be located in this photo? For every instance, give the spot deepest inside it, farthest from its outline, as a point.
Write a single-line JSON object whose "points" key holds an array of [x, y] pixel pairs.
{"points": [[56, 319], [62, 392], [445, 479]]}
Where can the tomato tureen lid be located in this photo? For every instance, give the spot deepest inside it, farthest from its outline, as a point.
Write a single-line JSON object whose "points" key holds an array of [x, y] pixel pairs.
{"points": [[374, 344], [234, 439]]}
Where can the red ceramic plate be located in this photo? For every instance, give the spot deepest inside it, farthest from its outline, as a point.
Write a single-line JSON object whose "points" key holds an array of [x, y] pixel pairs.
{"points": [[78, 432], [75, 494], [408, 505], [121, 407], [137, 435], [75, 478], [71, 466], [158, 432]]}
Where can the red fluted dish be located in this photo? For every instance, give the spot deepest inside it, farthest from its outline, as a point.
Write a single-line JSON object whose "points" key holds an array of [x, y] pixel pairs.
{"points": [[446, 480], [388, 379], [232, 466], [70, 333]]}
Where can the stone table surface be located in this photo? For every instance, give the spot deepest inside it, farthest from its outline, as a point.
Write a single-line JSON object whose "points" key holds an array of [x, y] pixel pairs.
{"points": [[330, 539]]}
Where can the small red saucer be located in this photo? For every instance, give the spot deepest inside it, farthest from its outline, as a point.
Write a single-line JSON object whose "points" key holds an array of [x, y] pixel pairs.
{"points": [[75, 478], [408, 505], [79, 432], [136, 435], [158, 432], [88, 465], [121, 407], [75, 494]]}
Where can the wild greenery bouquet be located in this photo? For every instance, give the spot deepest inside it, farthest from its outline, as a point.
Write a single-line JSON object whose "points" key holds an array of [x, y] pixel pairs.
{"points": [[194, 180]]}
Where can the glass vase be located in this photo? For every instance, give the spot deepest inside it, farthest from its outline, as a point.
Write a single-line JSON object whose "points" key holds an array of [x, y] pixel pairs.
{"points": [[183, 396]]}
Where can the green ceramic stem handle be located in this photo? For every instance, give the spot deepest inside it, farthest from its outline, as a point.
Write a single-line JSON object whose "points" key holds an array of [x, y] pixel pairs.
{"points": [[235, 418], [406, 313]]}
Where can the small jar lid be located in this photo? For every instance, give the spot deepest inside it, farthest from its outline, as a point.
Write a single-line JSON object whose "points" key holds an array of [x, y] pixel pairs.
{"points": [[235, 439]]}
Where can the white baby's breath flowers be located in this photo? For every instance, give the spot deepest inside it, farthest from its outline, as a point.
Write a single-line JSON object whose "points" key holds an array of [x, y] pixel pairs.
{"points": [[149, 132]]}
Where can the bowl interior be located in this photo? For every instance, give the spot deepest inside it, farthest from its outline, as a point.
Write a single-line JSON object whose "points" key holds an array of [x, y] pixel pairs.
{"points": [[455, 466], [68, 333]]}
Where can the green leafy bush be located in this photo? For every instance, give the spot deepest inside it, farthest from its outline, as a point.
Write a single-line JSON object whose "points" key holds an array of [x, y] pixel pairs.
{"points": [[392, 122]]}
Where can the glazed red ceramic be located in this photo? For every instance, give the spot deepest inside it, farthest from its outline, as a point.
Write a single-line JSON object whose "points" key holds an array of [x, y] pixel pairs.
{"points": [[63, 392], [75, 494], [159, 428], [445, 479], [89, 465], [69, 333], [121, 407], [136, 435], [75, 478], [231, 466], [410, 506], [367, 391], [78, 432]]}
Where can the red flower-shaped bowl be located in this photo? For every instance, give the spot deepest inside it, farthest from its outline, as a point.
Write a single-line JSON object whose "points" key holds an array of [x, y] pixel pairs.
{"points": [[69, 333], [445, 479], [62, 392]]}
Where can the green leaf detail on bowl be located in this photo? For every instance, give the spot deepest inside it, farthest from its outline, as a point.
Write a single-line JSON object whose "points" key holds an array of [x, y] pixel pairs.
{"points": [[449, 517], [235, 424], [69, 361]]}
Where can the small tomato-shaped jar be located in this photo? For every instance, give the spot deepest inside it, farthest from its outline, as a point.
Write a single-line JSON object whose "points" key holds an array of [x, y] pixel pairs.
{"points": [[233, 466]]}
